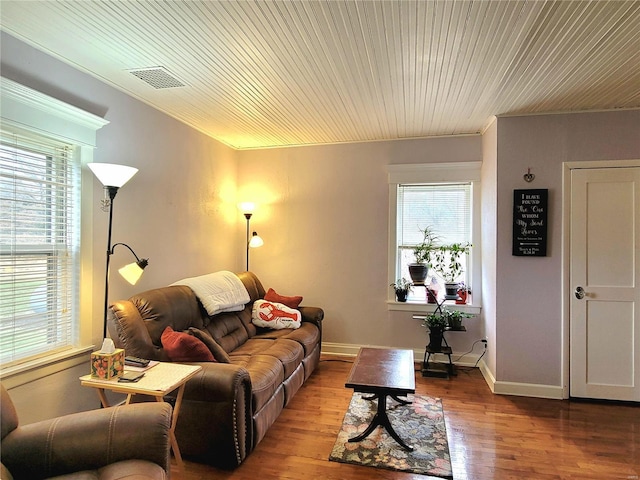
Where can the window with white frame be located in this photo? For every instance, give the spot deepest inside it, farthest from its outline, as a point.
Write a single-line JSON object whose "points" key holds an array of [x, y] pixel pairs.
{"points": [[443, 208], [39, 245], [45, 294], [443, 198]]}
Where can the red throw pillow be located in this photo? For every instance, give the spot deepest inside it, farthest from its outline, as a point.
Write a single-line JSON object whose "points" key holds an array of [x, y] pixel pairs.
{"points": [[182, 347], [291, 302]]}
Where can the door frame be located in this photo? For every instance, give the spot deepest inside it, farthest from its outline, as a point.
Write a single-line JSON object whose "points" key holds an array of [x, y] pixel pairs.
{"points": [[567, 167]]}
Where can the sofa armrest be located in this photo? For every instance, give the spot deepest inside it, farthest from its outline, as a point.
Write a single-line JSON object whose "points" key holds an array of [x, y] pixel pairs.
{"points": [[215, 419], [89, 440], [218, 382], [312, 314], [128, 330]]}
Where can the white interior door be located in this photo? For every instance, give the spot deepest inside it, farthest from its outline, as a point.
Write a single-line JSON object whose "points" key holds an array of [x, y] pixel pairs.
{"points": [[604, 323]]}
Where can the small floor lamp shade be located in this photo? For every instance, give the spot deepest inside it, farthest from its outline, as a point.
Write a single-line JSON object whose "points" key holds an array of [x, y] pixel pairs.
{"points": [[132, 272], [256, 241]]}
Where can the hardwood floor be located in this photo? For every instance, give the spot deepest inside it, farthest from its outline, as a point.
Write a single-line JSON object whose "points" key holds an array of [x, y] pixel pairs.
{"points": [[490, 436]]}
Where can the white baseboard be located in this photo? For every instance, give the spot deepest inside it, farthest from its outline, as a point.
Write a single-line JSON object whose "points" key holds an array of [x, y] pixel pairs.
{"points": [[345, 349], [488, 376], [351, 350], [520, 389], [469, 360]]}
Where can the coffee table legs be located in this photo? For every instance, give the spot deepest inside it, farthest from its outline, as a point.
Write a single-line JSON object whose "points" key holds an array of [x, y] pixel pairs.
{"points": [[382, 419], [399, 400]]}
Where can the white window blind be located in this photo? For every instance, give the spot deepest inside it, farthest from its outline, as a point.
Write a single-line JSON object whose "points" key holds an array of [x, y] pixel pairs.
{"points": [[39, 246], [445, 208]]}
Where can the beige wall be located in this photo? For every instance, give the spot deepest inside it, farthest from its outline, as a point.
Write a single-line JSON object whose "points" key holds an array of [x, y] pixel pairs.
{"points": [[324, 219]]}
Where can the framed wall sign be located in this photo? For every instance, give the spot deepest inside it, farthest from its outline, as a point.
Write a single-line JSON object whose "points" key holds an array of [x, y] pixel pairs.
{"points": [[530, 222]]}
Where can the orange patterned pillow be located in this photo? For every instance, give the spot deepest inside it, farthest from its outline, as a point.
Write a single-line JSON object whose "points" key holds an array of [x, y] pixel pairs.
{"points": [[291, 302]]}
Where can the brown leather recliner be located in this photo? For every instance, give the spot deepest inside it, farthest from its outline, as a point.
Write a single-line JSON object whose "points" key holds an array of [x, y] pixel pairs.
{"points": [[230, 404], [130, 441]]}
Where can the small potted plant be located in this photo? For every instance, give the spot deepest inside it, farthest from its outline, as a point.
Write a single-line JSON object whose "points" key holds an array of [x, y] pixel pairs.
{"points": [[463, 294], [436, 323], [448, 266], [454, 318], [402, 287], [422, 253]]}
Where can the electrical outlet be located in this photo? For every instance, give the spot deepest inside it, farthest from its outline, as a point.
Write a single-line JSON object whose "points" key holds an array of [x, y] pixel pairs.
{"points": [[484, 340]]}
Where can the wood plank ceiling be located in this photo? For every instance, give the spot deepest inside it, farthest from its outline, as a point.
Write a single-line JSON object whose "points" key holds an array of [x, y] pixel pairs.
{"points": [[263, 73]]}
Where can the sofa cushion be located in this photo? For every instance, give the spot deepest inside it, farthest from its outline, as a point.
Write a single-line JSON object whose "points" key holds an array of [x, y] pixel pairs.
{"points": [[228, 330], [291, 302], [308, 335], [218, 352], [274, 315], [288, 352], [252, 347], [182, 347], [266, 373]]}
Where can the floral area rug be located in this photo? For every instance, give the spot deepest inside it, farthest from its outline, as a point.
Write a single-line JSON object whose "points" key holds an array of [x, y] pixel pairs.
{"points": [[420, 424]]}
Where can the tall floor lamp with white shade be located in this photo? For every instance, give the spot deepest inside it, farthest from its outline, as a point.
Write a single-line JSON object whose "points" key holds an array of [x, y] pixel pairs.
{"points": [[113, 177]]}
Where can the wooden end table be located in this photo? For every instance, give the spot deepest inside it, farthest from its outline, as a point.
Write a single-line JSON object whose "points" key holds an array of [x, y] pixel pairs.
{"points": [[383, 372], [157, 382]]}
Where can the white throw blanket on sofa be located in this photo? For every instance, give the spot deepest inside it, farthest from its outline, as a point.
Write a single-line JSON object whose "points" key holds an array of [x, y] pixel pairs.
{"points": [[219, 292]]}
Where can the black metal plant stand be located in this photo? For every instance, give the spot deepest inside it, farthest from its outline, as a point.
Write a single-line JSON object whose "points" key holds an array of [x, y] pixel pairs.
{"points": [[438, 369]]}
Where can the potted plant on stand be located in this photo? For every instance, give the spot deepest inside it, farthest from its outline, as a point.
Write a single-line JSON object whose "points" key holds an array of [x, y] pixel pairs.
{"points": [[436, 323], [448, 266], [454, 318], [402, 288], [422, 252]]}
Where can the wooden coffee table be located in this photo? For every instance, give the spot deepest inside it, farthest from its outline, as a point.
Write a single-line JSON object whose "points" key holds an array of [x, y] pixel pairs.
{"points": [[383, 372]]}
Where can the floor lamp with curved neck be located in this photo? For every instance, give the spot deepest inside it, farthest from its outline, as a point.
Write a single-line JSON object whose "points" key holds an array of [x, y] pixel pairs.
{"points": [[113, 177]]}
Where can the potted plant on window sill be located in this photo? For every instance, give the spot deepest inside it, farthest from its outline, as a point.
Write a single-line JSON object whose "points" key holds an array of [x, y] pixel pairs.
{"points": [[448, 266], [402, 287], [463, 294], [422, 253]]}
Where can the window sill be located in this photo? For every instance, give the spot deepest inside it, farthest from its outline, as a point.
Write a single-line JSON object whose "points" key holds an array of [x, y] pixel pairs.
{"points": [[37, 368], [426, 308]]}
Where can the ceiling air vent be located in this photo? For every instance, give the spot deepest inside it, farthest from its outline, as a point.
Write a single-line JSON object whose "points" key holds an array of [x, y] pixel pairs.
{"points": [[157, 77]]}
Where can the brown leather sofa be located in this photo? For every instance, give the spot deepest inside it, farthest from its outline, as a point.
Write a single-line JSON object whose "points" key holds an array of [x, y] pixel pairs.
{"points": [[129, 441], [228, 407]]}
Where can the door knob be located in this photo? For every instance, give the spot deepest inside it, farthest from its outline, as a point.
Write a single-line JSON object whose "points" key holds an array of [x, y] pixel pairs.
{"points": [[579, 293]]}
